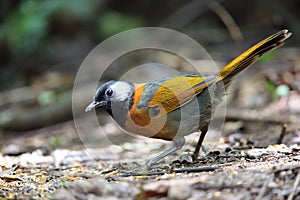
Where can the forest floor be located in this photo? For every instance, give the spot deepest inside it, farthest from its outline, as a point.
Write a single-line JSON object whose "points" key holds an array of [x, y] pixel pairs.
{"points": [[235, 169]]}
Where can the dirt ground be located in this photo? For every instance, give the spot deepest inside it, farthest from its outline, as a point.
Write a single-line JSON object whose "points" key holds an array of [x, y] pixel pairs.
{"points": [[239, 167]]}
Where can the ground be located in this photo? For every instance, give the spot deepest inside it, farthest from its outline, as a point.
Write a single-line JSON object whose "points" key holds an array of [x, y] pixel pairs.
{"points": [[235, 169]]}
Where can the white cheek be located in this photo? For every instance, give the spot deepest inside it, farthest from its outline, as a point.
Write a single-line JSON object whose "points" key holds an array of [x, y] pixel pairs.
{"points": [[121, 91]]}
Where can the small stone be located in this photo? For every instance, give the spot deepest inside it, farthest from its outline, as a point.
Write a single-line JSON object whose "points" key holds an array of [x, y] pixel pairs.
{"points": [[257, 152], [236, 137], [296, 158], [272, 184], [186, 157], [13, 150], [62, 194], [179, 192], [81, 186], [228, 149]]}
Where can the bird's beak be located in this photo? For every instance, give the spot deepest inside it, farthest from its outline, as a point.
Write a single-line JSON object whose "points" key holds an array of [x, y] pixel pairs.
{"points": [[92, 106]]}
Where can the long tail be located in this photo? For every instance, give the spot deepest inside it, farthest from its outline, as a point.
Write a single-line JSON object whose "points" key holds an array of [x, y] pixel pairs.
{"points": [[250, 56]]}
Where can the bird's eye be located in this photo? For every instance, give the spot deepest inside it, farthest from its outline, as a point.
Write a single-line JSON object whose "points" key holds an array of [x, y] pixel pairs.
{"points": [[109, 92]]}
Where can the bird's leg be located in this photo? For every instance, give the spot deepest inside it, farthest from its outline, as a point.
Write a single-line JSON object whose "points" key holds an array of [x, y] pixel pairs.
{"points": [[200, 141], [177, 144]]}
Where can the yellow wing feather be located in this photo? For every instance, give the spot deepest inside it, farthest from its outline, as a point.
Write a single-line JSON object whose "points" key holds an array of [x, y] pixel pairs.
{"points": [[176, 91]]}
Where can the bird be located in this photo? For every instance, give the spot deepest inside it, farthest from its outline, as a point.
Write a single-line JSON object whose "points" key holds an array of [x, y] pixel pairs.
{"points": [[178, 105]]}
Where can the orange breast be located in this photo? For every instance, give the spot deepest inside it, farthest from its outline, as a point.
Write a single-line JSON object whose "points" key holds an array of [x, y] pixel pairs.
{"points": [[139, 121]]}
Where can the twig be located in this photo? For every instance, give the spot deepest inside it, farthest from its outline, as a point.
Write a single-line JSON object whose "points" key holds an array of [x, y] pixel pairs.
{"points": [[291, 196], [222, 187], [263, 188], [282, 134], [9, 171], [229, 22], [186, 14], [184, 170], [194, 170]]}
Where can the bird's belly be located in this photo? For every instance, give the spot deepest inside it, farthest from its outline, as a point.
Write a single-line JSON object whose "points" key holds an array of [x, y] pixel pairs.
{"points": [[188, 119]]}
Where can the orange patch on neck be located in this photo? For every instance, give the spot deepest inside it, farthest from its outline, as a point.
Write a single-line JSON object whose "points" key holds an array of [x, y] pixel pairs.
{"points": [[140, 117]]}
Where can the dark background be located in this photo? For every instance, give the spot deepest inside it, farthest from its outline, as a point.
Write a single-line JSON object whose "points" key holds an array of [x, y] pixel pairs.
{"points": [[43, 43]]}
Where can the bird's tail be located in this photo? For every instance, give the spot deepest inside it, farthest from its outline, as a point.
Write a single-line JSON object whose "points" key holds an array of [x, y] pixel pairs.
{"points": [[250, 56]]}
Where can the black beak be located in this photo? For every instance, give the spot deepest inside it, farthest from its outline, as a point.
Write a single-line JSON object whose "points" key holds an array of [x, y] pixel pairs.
{"points": [[93, 105]]}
